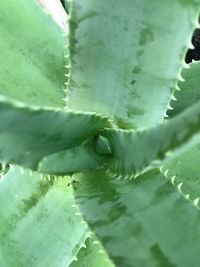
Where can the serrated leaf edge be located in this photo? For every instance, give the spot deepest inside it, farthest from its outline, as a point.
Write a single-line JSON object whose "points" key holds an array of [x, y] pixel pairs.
{"points": [[195, 202], [184, 65]]}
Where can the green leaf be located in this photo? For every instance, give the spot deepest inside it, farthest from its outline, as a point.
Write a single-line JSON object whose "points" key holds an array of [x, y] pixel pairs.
{"points": [[144, 221], [125, 61], [189, 92], [185, 173], [93, 255], [81, 158], [39, 226], [32, 54], [133, 151], [184, 170], [27, 134]]}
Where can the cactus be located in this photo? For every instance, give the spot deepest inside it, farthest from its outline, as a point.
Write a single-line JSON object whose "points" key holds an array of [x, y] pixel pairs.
{"points": [[99, 135]]}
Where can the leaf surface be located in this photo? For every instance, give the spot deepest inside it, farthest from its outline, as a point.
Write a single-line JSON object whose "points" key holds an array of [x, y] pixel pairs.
{"points": [[184, 170], [189, 92], [32, 54], [93, 255], [144, 222], [133, 151], [38, 225], [124, 60], [81, 158], [27, 134]]}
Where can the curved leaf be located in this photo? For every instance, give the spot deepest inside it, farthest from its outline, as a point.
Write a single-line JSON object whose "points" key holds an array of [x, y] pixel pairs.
{"points": [[38, 225], [92, 255], [32, 54], [133, 151], [56, 9], [185, 171], [27, 134], [81, 158], [144, 222], [125, 61], [189, 92]]}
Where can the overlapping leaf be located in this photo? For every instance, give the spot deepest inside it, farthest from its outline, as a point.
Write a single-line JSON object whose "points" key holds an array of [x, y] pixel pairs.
{"points": [[141, 223], [93, 255], [144, 222], [189, 92], [73, 160], [126, 56], [185, 172], [29, 134], [38, 225], [32, 54], [133, 151]]}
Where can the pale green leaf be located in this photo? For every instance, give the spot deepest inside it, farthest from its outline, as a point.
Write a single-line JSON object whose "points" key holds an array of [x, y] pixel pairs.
{"points": [[126, 56], [38, 225], [81, 158], [32, 54], [93, 255], [144, 222], [189, 92], [133, 151], [185, 172], [27, 134]]}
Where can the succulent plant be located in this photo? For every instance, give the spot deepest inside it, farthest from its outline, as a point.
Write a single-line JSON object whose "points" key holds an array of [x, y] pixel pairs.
{"points": [[109, 176]]}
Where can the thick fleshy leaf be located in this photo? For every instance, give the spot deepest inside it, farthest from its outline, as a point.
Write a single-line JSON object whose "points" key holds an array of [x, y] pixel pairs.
{"points": [[93, 255], [184, 171], [29, 134], [81, 158], [144, 222], [38, 225], [133, 151], [125, 61], [189, 92], [32, 54]]}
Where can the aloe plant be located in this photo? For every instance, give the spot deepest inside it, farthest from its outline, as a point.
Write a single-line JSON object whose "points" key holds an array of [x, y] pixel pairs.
{"points": [[99, 135]]}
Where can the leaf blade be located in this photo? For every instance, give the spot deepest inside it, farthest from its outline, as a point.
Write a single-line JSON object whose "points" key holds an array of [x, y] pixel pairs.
{"points": [[92, 255], [125, 60], [189, 89], [133, 151], [38, 225], [32, 54], [81, 158], [27, 134], [142, 221]]}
